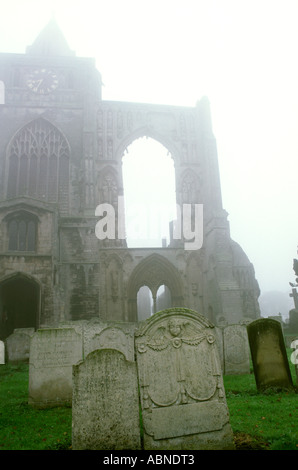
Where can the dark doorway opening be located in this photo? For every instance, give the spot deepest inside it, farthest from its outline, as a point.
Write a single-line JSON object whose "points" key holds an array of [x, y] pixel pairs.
{"points": [[19, 304]]}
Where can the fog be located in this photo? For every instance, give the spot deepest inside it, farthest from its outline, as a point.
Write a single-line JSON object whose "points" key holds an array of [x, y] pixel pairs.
{"points": [[241, 54]]}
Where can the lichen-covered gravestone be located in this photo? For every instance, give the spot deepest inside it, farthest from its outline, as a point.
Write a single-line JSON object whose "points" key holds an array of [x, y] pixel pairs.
{"points": [[182, 394], [236, 350], [269, 357], [109, 335], [18, 345], [53, 352], [105, 405]]}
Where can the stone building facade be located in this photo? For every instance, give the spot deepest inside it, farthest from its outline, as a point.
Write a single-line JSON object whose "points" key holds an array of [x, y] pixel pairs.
{"points": [[61, 150]]}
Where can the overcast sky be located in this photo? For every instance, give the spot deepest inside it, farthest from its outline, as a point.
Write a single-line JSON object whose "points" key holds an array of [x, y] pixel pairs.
{"points": [[242, 54]]}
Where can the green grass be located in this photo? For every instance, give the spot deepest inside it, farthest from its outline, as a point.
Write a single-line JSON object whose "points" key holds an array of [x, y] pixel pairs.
{"points": [[259, 421], [23, 427], [262, 421]]}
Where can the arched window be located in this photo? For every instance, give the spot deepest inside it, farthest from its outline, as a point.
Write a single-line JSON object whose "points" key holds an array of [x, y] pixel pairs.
{"points": [[38, 163], [22, 231], [144, 303], [149, 193], [163, 298]]}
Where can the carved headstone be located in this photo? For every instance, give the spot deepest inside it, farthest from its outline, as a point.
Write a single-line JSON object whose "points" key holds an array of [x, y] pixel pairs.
{"points": [[269, 357], [236, 350], [219, 343], [182, 394], [105, 405], [53, 352], [104, 335]]}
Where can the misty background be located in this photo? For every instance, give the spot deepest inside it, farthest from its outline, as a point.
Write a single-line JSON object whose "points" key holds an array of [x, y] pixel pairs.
{"points": [[243, 56]]}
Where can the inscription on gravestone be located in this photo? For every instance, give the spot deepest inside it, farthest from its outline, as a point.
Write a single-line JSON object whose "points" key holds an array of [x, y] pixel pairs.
{"points": [[52, 355], [269, 357], [105, 405], [182, 394]]}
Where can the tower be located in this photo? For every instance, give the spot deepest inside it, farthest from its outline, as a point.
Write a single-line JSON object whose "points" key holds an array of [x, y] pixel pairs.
{"points": [[61, 149]]}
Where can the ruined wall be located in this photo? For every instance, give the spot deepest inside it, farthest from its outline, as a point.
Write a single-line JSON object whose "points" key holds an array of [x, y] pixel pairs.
{"points": [[82, 139]]}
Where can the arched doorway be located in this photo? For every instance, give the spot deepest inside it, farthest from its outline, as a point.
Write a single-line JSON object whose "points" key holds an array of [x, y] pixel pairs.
{"points": [[163, 280], [19, 304]]}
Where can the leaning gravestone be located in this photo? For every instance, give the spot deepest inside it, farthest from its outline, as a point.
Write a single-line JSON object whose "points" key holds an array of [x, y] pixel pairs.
{"points": [[105, 405], [181, 388], [53, 352], [269, 357], [236, 350]]}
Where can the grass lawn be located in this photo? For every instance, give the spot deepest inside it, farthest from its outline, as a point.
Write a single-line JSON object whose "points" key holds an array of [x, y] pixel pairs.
{"points": [[259, 421]]}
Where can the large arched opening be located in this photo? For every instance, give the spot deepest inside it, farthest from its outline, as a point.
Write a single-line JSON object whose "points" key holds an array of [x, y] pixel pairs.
{"points": [[163, 281], [149, 193], [19, 304]]}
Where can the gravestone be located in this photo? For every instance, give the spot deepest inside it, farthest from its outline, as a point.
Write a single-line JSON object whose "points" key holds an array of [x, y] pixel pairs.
{"points": [[109, 335], [181, 388], [294, 357], [18, 345], [218, 332], [269, 357], [2, 352], [236, 350], [105, 405], [53, 352]]}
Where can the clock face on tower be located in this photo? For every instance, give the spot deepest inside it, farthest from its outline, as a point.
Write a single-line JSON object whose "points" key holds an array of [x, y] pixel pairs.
{"points": [[42, 81]]}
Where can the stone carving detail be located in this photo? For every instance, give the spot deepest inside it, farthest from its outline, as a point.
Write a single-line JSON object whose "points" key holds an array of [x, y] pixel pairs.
{"points": [[109, 189], [179, 338], [115, 337], [180, 379], [236, 350], [39, 163], [189, 190]]}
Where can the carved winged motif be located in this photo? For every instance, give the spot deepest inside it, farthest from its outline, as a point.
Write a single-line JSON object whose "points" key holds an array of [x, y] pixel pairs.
{"points": [[179, 353]]}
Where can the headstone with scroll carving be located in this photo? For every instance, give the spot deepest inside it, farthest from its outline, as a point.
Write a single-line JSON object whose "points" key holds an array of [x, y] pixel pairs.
{"points": [[109, 335], [181, 388], [53, 352]]}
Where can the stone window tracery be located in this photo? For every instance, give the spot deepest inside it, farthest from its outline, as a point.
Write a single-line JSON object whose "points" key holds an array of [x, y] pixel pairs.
{"points": [[38, 163], [22, 231]]}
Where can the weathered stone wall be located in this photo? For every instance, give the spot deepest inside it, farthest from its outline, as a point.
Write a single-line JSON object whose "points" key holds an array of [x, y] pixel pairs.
{"points": [[81, 276]]}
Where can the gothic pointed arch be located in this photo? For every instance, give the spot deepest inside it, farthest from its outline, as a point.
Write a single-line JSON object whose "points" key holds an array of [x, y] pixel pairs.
{"points": [[20, 302], [147, 133], [38, 163], [153, 272]]}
